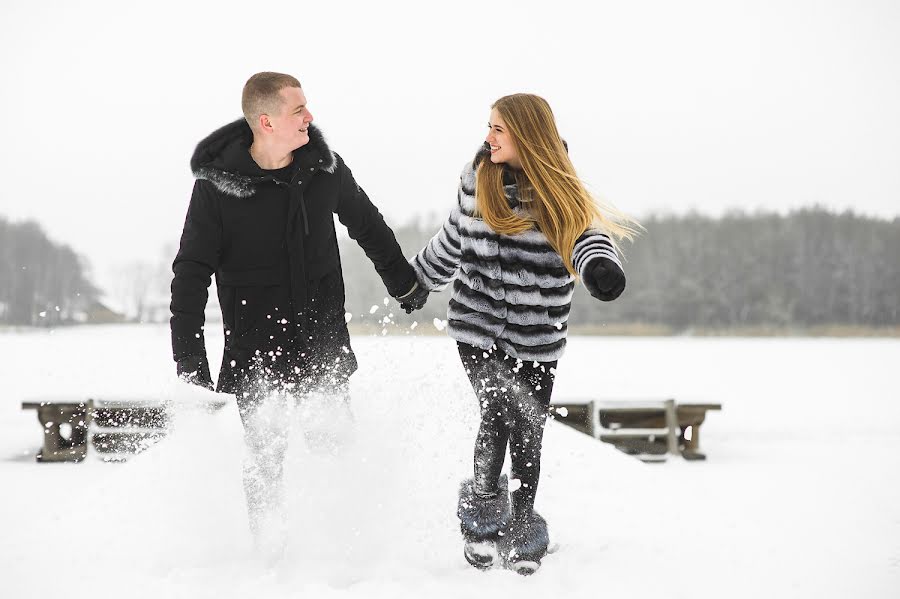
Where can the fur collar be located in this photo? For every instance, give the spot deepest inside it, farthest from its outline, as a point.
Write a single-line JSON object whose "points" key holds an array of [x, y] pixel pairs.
{"points": [[510, 188], [223, 160], [483, 153]]}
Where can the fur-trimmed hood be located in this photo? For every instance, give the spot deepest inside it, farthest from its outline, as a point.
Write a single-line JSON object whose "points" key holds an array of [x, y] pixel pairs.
{"points": [[223, 158]]}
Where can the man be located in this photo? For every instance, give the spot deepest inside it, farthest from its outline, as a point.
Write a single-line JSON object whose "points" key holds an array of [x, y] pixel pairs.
{"points": [[260, 219]]}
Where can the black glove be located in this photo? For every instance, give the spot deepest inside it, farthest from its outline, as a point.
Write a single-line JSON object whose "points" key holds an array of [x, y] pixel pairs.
{"points": [[415, 299], [604, 279], [195, 370]]}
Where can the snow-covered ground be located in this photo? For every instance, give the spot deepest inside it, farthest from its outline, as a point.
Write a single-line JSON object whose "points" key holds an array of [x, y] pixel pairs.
{"points": [[800, 496]]}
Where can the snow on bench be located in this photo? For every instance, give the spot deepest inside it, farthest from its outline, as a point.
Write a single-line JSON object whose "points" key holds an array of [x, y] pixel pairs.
{"points": [[115, 428]]}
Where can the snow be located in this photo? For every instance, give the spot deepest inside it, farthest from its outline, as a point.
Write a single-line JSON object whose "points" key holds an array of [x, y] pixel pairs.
{"points": [[797, 498]]}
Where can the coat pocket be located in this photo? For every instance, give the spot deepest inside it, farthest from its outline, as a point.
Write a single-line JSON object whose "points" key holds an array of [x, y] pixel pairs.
{"points": [[260, 301], [256, 277]]}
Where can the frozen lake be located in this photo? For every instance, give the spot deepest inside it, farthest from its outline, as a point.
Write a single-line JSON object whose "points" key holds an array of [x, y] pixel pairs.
{"points": [[800, 495]]}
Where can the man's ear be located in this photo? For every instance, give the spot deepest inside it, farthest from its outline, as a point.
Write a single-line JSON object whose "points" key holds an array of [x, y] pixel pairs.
{"points": [[264, 123]]}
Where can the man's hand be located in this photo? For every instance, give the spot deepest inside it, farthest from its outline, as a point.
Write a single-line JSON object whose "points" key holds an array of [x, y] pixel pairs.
{"points": [[414, 299], [195, 370], [604, 279]]}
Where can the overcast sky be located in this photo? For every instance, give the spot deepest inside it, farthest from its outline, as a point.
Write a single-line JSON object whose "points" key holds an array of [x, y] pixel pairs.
{"points": [[666, 106]]}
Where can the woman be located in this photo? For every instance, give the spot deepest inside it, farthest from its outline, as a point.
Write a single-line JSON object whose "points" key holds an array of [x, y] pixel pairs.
{"points": [[523, 230]]}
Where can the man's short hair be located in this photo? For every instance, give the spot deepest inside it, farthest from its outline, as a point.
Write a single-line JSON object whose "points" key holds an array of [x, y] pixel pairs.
{"points": [[261, 95]]}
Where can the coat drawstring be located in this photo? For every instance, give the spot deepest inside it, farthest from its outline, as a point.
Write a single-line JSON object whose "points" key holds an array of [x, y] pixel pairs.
{"points": [[305, 217]]}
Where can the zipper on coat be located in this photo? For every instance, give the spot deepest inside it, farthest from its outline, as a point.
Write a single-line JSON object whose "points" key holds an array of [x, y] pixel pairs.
{"points": [[300, 314], [302, 203]]}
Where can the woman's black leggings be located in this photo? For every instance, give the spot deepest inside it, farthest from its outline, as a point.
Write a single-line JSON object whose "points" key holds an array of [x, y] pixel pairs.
{"points": [[515, 399]]}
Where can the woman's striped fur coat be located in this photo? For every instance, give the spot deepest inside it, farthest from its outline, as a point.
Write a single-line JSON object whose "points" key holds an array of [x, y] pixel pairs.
{"points": [[510, 290]]}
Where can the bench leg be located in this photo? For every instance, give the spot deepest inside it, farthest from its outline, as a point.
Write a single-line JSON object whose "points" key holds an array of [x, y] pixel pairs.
{"points": [[692, 446], [57, 448], [672, 426]]}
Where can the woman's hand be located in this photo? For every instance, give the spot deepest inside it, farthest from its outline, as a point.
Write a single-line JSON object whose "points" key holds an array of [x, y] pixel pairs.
{"points": [[604, 279]]}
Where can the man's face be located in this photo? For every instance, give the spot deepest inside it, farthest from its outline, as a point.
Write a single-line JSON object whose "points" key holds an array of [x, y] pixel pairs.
{"points": [[290, 127]]}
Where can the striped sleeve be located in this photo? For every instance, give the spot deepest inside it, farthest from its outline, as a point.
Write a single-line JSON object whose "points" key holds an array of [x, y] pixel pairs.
{"points": [[438, 262], [593, 243]]}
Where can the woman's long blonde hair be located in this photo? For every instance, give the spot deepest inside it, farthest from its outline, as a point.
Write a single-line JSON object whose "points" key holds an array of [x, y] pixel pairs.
{"points": [[557, 201]]}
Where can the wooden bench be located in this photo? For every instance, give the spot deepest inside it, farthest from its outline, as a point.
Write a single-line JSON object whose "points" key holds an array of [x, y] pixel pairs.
{"points": [[115, 428], [649, 430]]}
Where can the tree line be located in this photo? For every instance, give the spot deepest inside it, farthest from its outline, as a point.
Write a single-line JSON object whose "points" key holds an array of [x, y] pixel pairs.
{"points": [[41, 282], [808, 268]]}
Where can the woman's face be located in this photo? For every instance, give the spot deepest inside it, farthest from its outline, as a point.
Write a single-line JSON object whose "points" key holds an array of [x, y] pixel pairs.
{"points": [[503, 150]]}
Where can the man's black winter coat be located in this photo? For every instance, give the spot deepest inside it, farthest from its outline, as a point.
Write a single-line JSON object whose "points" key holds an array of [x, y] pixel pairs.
{"points": [[272, 247]]}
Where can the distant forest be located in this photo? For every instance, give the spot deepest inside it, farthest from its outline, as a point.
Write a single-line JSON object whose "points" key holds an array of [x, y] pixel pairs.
{"points": [[811, 268], [807, 269], [41, 282]]}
